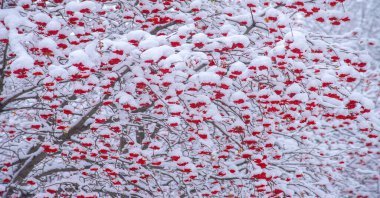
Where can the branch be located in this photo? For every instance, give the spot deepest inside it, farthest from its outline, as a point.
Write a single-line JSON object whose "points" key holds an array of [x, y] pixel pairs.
{"points": [[33, 161], [56, 170], [161, 27], [2, 76]]}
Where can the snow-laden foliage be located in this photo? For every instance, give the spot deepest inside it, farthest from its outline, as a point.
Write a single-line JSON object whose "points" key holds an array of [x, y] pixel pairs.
{"points": [[175, 98], [360, 33]]}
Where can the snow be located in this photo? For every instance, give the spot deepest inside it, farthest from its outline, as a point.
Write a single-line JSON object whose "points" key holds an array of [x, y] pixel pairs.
{"points": [[155, 53], [80, 56], [294, 88], [261, 60], [297, 40], [77, 6], [3, 33], [126, 98], [12, 19], [238, 66], [26, 62], [196, 4], [137, 35], [42, 17], [205, 77], [58, 71], [200, 37], [53, 25], [148, 43], [172, 59], [328, 78], [48, 43], [228, 29]]}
